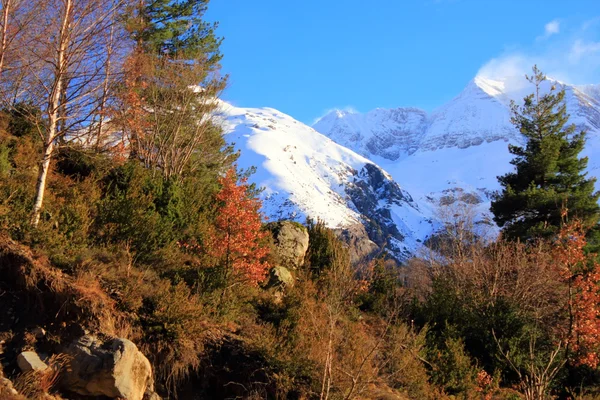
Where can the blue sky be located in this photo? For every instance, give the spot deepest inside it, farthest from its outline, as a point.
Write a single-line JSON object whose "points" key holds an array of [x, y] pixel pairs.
{"points": [[307, 57]]}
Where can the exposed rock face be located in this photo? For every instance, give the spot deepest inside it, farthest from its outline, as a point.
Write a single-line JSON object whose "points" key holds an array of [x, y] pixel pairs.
{"points": [[30, 361], [375, 194], [291, 241], [360, 247], [116, 369], [451, 196], [280, 277], [388, 133]]}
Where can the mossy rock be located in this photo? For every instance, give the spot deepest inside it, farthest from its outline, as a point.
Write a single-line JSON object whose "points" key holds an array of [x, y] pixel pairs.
{"points": [[280, 277], [291, 242]]}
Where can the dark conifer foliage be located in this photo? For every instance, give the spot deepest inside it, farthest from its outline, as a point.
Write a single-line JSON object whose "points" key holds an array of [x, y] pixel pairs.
{"points": [[171, 87], [549, 182], [170, 27]]}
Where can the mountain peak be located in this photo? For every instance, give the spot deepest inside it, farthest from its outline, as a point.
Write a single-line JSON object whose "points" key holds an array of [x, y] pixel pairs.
{"points": [[336, 113]]}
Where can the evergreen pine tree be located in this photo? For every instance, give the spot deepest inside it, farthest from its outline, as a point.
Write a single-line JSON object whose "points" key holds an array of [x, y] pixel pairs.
{"points": [[548, 182], [175, 27], [170, 88]]}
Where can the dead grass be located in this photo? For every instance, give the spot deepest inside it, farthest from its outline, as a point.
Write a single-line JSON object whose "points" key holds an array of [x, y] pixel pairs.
{"points": [[39, 384], [7, 390], [58, 296]]}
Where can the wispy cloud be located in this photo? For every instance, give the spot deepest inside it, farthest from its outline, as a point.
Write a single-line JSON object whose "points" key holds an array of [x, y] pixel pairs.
{"points": [[552, 28], [590, 23], [573, 56], [581, 49]]}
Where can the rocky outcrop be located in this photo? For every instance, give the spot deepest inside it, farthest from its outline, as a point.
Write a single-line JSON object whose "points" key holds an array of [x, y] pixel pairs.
{"points": [[388, 133], [291, 242], [360, 246], [453, 195], [115, 369]]}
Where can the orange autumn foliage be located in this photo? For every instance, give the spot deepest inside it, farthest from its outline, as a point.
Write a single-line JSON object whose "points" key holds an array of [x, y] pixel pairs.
{"points": [[582, 273], [237, 240], [134, 108]]}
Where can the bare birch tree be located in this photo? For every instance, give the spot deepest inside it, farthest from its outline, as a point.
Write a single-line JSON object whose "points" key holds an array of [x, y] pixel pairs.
{"points": [[67, 74], [18, 31]]}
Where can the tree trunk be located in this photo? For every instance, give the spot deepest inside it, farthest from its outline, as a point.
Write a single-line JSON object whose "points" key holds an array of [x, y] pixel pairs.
{"points": [[41, 183], [6, 5], [326, 383], [54, 107], [105, 89]]}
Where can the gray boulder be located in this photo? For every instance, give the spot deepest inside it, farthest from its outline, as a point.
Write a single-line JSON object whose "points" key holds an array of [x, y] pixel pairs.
{"points": [[291, 242], [30, 361], [115, 369]]}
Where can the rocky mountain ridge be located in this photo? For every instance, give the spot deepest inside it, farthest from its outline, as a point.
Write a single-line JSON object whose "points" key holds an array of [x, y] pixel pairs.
{"points": [[480, 113]]}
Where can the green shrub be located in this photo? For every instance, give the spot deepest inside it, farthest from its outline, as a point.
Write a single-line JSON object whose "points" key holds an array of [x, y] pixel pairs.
{"points": [[452, 367], [325, 250], [133, 211], [5, 162]]}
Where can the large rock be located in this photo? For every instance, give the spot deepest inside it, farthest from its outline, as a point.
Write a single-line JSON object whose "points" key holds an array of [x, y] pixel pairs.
{"points": [[291, 242], [115, 369], [30, 361]]}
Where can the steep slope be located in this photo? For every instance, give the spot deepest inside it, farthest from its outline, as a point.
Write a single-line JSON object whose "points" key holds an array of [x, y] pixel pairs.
{"points": [[304, 173]]}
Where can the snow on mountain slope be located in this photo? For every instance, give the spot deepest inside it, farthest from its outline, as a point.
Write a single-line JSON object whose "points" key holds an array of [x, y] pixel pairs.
{"points": [[591, 91], [459, 149], [478, 114], [584, 107], [391, 134], [348, 175], [304, 173]]}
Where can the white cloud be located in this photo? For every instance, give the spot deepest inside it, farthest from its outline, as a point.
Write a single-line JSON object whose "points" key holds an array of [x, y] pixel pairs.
{"points": [[572, 57], [581, 49], [509, 68], [552, 27]]}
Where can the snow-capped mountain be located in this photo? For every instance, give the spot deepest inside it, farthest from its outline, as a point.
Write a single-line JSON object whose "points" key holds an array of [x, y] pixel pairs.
{"points": [[454, 154], [304, 173], [392, 172], [480, 113], [477, 115]]}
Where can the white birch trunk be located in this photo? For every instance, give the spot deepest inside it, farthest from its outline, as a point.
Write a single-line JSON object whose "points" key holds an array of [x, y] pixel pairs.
{"points": [[53, 112]]}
